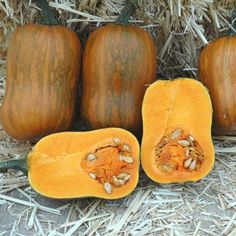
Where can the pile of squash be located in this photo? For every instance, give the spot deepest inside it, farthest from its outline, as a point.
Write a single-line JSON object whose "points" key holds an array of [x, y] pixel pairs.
{"points": [[121, 102]]}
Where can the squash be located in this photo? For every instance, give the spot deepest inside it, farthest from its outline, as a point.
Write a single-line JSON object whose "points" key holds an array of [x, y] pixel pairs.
{"points": [[43, 65], [177, 144], [119, 61], [217, 72], [102, 163]]}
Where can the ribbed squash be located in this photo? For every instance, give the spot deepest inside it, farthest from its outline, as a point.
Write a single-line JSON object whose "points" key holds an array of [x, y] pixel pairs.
{"points": [[177, 144], [43, 65], [102, 163], [119, 61], [217, 72]]}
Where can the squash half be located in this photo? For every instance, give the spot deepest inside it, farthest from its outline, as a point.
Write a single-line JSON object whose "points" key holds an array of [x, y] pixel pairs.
{"points": [[177, 144], [102, 163], [82, 164]]}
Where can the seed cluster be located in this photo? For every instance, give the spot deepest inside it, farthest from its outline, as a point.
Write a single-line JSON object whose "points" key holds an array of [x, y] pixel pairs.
{"points": [[178, 150], [110, 166]]}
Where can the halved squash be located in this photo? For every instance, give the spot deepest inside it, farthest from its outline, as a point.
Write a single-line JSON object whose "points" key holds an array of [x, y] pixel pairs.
{"points": [[177, 144], [102, 163]]}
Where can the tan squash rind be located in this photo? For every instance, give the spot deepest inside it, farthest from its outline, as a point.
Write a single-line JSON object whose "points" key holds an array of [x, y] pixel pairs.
{"points": [[216, 68], [118, 63], [43, 66]]}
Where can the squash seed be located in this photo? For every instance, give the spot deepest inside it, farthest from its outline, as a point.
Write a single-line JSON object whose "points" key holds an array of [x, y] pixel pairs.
{"points": [[122, 175], [115, 181], [184, 143], [121, 157], [108, 187], [128, 159], [187, 163], [127, 178], [167, 167], [191, 138], [126, 148], [187, 152], [91, 157], [122, 181], [176, 134], [162, 143], [116, 140], [92, 175], [158, 151], [193, 165]]}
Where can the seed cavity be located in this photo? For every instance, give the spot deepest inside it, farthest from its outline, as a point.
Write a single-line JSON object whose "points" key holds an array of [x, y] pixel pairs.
{"points": [[176, 134], [117, 140], [91, 157], [178, 149], [184, 143], [110, 164], [108, 187], [126, 148]]}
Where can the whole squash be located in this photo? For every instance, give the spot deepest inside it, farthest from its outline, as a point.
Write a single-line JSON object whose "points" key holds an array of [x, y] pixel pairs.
{"points": [[119, 62], [43, 65], [217, 71]]}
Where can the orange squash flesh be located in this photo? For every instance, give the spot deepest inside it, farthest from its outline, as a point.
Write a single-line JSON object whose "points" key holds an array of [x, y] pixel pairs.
{"points": [[177, 118], [63, 166]]}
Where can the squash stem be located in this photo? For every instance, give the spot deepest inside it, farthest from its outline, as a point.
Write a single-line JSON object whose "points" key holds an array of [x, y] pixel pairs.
{"points": [[48, 16], [128, 10], [16, 164], [232, 29]]}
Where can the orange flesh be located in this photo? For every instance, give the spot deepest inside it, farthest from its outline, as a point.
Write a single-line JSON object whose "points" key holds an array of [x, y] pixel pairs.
{"points": [[169, 105], [58, 167]]}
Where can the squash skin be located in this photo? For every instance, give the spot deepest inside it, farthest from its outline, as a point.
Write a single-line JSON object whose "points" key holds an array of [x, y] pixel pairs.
{"points": [[55, 164], [43, 65], [216, 68], [118, 63], [182, 103]]}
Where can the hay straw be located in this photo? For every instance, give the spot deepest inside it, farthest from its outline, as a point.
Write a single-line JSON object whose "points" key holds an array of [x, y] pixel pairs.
{"points": [[190, 24], [80, 222], [26, 203]]}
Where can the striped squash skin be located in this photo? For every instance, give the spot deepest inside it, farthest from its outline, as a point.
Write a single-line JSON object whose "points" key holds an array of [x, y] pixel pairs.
{"points": [[217, 71], [43, 65], [119, 62]]}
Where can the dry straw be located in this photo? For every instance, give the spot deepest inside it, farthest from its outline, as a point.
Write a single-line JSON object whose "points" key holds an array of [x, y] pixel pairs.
{"points": [[180, 28]]}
